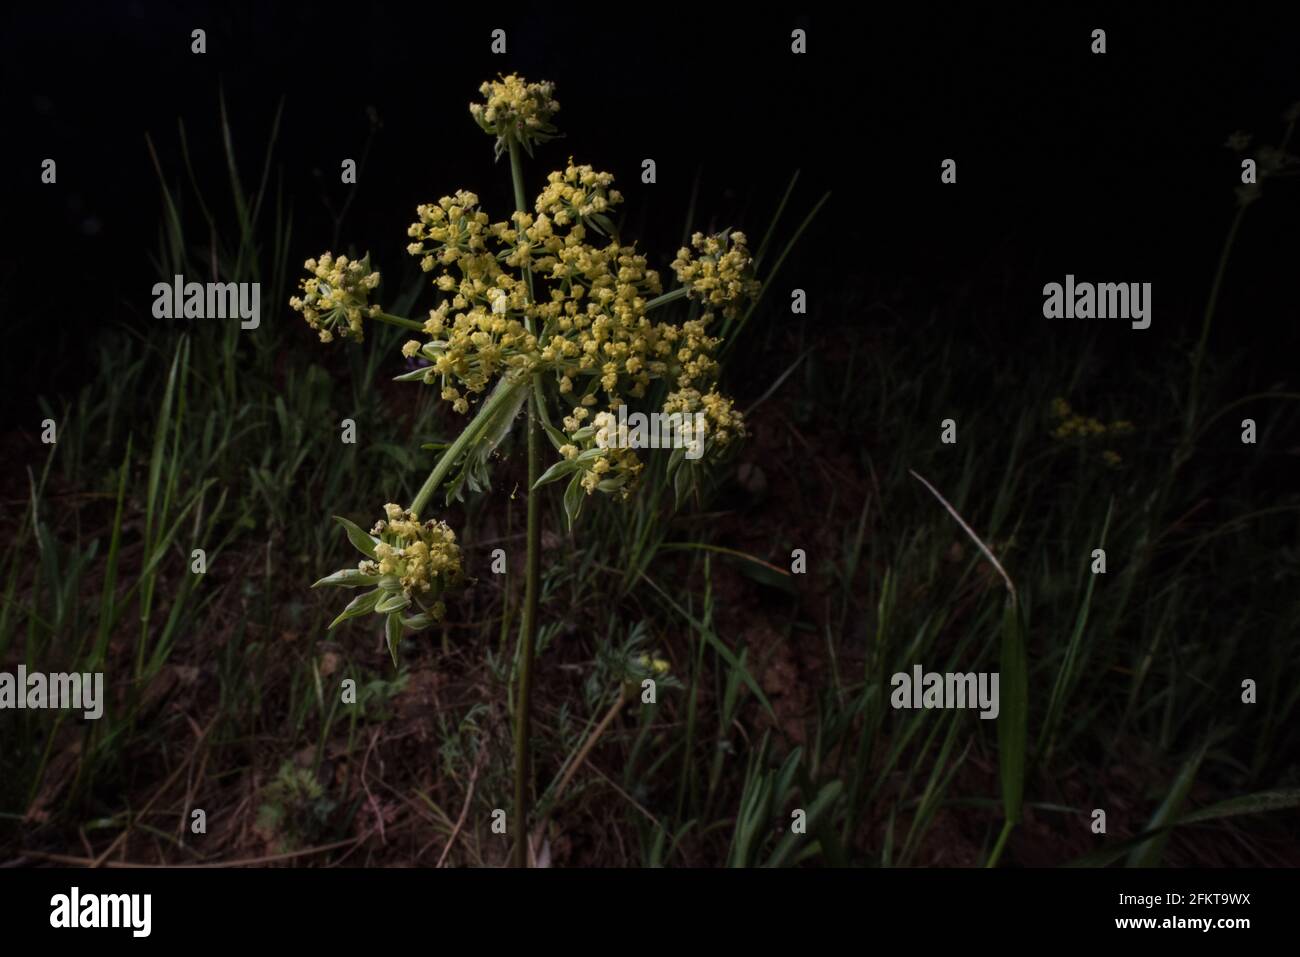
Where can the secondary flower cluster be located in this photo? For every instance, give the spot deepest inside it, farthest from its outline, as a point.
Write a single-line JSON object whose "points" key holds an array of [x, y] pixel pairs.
{"points": [[716, 270], [513, 107], [423, 557], [336, 295], [408, 565], [577, 194], [478, 332]]}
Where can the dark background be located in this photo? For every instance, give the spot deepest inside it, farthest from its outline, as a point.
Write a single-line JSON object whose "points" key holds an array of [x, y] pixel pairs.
{"points": [[1111, 167]]}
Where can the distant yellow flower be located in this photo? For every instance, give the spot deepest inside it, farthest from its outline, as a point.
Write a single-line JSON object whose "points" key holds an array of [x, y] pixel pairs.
{"points": [[1073, 425], [335, 295], [657, 666]]}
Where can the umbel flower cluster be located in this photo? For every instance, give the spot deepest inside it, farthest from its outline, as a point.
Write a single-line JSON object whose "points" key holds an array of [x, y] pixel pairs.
{"points": [[547, 302], [513, 107], [716, 270], [423, 557], [554, 292], [334, 297], [409, 565]]}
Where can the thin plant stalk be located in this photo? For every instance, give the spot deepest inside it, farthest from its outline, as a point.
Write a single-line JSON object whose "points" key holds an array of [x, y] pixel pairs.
{"points": [[399, 322], [472, 432], [666, 298], [532, 572], [1193, 392], [528, 636]]}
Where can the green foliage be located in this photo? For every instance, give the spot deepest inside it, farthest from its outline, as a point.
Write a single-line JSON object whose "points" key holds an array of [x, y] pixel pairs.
{"points": [[295, 808]]}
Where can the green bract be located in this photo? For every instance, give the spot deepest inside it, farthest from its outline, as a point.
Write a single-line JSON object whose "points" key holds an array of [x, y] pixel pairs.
{"points": [[408, 566]]}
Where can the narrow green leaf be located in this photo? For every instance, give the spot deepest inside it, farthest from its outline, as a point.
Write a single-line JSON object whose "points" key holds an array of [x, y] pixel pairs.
{"points": [[364, 542], [1013, 717], [348, 578], [821, 805], [418, 622], [1258, 803], [361, 605], [558, 438], [557, 472], [393, 632], [706, 632], [392, 603], [415, 375], [1150, 852], [573, 496], [675, 459], [776, 217], [683, 482]]}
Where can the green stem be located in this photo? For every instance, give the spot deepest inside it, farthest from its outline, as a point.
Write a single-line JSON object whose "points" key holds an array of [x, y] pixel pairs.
{"points": [[398, 321], [666, 298], [472, 432], [521, 205], [532, 573], [517, 175], [527, 639], [1007, 828], [1193, 396], [727, 334]]}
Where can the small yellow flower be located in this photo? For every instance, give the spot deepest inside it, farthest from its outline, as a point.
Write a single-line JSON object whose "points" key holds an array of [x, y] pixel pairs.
{"points": [[657, 666]]}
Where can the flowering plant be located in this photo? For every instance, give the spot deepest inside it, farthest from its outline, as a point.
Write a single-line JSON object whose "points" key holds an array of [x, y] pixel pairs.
{"points": [[549, 309]]}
